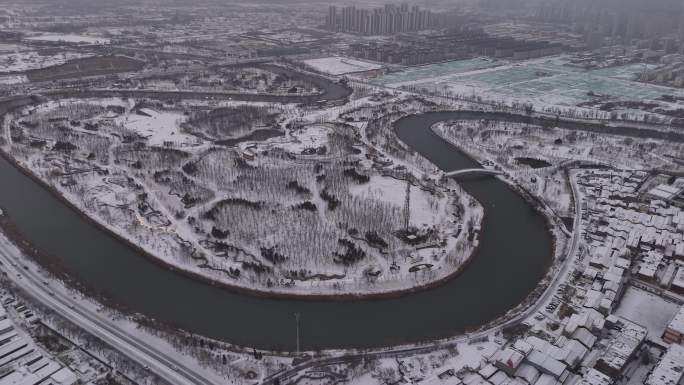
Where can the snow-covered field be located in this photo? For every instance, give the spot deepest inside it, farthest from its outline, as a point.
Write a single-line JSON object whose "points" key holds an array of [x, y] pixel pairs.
{"points": [[24, 61], [13, 79], [544, 81], [297, 141], [69, 38], [159, 127], [648, 310], [338, 65], [425, 210]]}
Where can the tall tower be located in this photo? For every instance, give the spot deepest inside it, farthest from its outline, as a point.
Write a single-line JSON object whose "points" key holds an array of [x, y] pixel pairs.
{"points": [[407, 205], [331, 21]]}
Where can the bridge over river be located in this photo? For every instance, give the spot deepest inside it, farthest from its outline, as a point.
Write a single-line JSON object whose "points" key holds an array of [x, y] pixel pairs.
{"points": [[473, 171]]}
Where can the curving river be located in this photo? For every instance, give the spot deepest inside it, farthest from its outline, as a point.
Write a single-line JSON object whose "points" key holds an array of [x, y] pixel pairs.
{"points": [[513, 257]]}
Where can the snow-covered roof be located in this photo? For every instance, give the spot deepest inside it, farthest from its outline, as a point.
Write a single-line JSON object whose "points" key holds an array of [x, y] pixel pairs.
{"points": [[64, 376], [584, 337], [677, 323], [487, 371], [509, 357], [678, 280], [670, 369], [546, 363], [664, 192], [6, 324], [623, 345], [499, 378], [546, 379], [594, 377], [528, 372]]}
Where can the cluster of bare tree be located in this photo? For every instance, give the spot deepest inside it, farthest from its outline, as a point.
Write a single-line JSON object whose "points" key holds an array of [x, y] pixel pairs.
{"points": [[230, 122]]}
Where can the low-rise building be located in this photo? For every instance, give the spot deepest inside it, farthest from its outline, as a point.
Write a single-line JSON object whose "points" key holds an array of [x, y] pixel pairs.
{"points": [[670, 369], [23, 363], [594, 377], [548, 365], [674, 332], [621, 348], [678, 282], [508, 360]]}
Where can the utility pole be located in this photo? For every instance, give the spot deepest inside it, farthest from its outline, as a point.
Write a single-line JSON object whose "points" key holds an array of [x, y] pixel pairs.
{"points": [[297, 321]]}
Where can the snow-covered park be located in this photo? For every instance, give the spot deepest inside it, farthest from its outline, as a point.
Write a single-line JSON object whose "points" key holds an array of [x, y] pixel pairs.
{"points": [[252, 195]]}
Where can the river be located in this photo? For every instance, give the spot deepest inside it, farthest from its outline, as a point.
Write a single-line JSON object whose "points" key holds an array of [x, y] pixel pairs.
{"points": [[514, 255]]}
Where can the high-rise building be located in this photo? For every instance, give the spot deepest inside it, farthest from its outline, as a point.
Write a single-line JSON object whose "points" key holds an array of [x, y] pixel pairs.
{"points": [[331, 20], [380, 21]]}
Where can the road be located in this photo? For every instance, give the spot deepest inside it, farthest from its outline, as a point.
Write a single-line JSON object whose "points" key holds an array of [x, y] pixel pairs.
{"points": [[158, 362], [558, 278]]}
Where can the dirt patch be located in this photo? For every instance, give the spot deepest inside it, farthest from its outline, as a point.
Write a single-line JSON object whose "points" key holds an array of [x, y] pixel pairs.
{"points": [[92, 66]]}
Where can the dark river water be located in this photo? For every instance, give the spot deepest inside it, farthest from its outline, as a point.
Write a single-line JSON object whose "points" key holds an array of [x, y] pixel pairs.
{"points": [[514, 255]]}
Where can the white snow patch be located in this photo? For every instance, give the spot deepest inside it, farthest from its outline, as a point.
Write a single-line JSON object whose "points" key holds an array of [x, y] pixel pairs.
{"points": [[337, 65], [648, 310], [424, 208], [67, 38], [13, 79], [159, 127]]}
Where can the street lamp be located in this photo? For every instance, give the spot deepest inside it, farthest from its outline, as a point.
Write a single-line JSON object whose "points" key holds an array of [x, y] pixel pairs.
{"points": [[297, 322]]}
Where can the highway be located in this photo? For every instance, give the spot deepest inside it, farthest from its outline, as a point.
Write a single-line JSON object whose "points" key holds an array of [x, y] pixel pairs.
{"points": [[158, 362]]}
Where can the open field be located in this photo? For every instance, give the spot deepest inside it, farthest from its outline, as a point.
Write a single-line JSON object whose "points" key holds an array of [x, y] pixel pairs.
{"points": [[79, 68], [69, 38], [337, 65], [436, 70], [23, 59], [544, 81], [648, 310]]}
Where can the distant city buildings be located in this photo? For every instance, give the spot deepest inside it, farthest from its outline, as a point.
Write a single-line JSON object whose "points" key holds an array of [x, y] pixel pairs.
{"points": [[381, 21], [436, 47], [611, 22]]}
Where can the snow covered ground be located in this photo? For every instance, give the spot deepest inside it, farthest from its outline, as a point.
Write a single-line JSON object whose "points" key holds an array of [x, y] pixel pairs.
{"points": [[311, 137], [13, 79], [159, 127], [24, 61], [425, 210], [648, 310], [69, 38], [338, 65], [546, 81]]}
